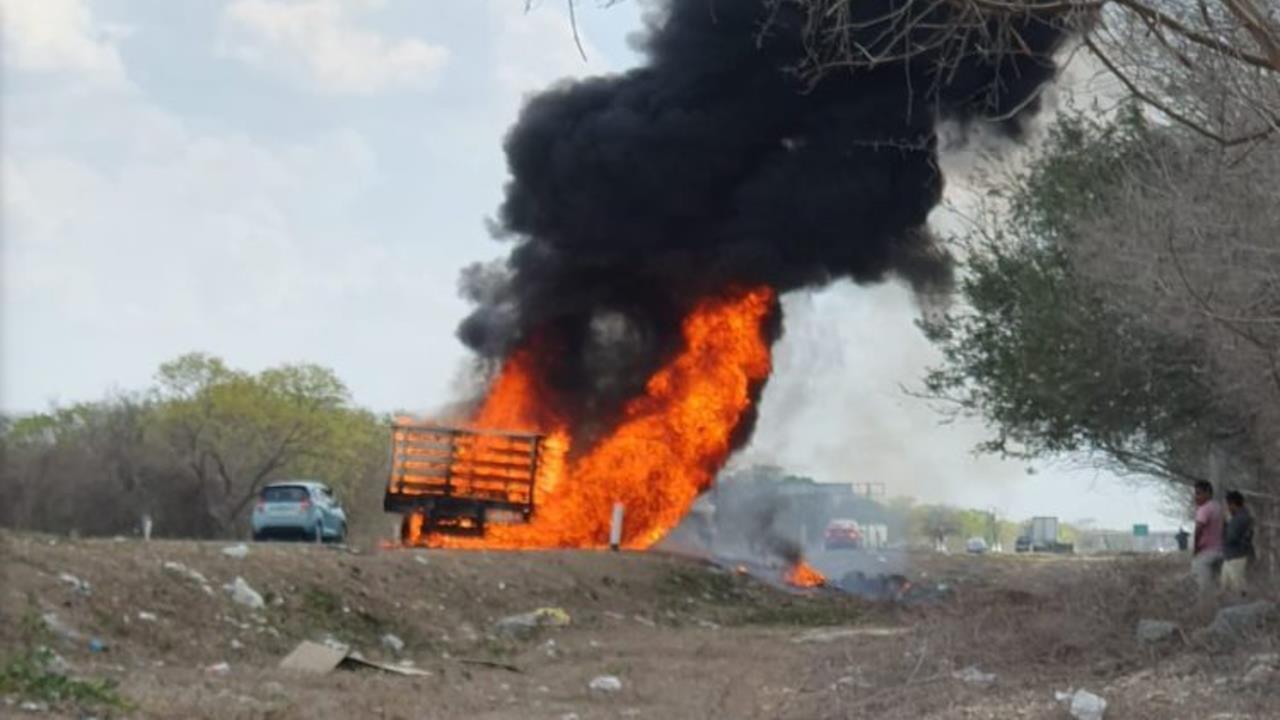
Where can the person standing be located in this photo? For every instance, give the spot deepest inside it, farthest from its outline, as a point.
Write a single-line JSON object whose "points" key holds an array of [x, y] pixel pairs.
{"points": [[1206, 558], [1237, 546]]}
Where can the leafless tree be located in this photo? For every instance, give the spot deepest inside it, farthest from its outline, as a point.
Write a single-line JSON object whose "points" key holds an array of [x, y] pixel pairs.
{"points": [[1188, 240], [1159, 50]]}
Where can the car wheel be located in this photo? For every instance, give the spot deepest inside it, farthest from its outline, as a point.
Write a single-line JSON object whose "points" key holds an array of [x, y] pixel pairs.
{"points": [[257, 537], [318, 536], [342, 534]]}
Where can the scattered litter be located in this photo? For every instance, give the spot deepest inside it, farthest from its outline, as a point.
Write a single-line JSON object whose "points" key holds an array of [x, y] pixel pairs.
{"points": [[55, 664], [60, 628], [1260, 674], [825, 635], [177, 568], [605, 683], [421, 560], [1271, 659], [221, 668], [34, 707], [334, 643], [974, 676], [236, 644], [78, 585], [319, 659], [238, 552], [525, 624], [392, 643], [1082, 704], [97, 646], [644, 621], [242, 593], [1155, 631], [145, 616]]}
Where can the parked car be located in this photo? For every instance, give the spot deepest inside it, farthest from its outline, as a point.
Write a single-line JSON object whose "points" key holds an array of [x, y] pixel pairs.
{"points": [[842, 535], [299, 509], [976, 546]]}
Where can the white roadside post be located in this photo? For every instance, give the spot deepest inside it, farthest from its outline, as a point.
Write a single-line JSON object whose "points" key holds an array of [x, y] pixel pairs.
{"points": [[615, 528], [146, 527]]}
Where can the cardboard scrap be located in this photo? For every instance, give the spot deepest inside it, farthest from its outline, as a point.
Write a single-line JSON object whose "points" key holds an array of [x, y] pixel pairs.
{"points": [[319, 659]]}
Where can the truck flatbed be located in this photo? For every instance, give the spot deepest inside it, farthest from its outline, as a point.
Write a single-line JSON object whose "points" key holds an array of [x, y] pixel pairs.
{"points": [[449, 479]]}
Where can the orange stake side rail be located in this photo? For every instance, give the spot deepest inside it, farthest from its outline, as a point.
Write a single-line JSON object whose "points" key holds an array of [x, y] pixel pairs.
{"points": [[451, 477]]}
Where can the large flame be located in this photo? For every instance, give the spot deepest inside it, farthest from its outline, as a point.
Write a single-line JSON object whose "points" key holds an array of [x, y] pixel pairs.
{"points": [[666, 450]]}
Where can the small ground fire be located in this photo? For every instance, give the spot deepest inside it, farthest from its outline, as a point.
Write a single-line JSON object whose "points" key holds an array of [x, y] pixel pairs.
{"points": [[667, 448], [804, 575]]}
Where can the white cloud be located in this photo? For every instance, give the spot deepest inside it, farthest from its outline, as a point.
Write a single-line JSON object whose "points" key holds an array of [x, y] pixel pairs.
{"points": [[59, 36], [536, 48], [320, 43]]}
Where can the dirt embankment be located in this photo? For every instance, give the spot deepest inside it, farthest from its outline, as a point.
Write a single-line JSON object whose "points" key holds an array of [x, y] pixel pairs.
{"points": [[685, 640]]}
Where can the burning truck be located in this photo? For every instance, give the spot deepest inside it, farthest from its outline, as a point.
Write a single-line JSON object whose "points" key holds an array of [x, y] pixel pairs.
{"points": [[654, 218], [455, 480]]}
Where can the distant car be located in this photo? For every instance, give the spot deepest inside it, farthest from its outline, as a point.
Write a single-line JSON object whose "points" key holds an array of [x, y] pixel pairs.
{"points": [[299, 509], [976, 546], [842, 535], [1022, 544]]}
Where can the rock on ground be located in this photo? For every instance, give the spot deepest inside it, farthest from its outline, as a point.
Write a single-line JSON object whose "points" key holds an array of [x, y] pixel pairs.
{"points": [[1236, 622]]}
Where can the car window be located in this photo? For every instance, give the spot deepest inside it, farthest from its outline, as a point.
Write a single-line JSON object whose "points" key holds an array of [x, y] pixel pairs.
{"points": [[284, 493]]}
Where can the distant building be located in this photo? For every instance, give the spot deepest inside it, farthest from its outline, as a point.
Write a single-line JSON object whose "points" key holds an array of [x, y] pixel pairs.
{"points": [[1115, 541]]}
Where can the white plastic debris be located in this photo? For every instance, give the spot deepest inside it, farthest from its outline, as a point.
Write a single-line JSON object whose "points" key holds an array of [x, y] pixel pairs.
{"points": [[242, 593], [236, 551], [221, 668], [525, 624], [974, 676], [605, 683], [145, 616], [392, 643], [1082, 704], [177, 568], [78, 585], [334, 643], [59, 627]]}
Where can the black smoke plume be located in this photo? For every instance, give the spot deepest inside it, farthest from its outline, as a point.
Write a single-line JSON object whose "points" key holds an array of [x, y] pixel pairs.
{"points": [[715, 166]]}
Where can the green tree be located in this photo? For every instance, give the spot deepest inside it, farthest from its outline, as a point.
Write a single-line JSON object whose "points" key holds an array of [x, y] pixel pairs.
{"points": [[234, 432], [1035, 348]]}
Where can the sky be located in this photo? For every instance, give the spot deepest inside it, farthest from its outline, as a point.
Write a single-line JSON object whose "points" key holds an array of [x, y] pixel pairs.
{"points": [[276, 181]]}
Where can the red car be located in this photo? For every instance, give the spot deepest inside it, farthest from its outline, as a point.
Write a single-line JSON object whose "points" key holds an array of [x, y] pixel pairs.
{"points": [[843, 535]]}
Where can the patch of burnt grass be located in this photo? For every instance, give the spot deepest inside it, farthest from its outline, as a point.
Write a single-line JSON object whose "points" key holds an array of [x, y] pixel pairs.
{"points": [[728, 598], [801, 611], [704, 584]]}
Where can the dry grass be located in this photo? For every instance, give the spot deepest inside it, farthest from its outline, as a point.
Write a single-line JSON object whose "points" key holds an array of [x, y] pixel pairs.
{"points": [[687, 640]]}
